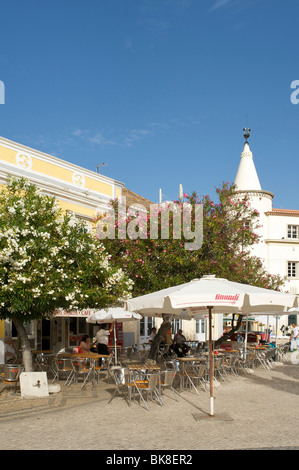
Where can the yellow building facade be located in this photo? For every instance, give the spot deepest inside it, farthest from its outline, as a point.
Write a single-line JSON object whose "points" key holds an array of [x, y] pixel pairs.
{"points": [[79, 190]]}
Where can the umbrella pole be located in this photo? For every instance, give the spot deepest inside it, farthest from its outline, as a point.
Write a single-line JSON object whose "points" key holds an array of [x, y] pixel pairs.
{"points": [[276, 327], [115, 348], [211, 365], [246, 334]]}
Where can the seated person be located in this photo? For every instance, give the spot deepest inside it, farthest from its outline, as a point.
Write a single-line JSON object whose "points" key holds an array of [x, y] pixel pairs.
{"points": [[180, 348], [84, 345], [152, 335], [11, 352], [168, 342]]}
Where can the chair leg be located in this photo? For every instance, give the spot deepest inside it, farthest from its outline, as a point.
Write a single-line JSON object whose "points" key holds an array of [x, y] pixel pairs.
{"points": [[141, 397]]}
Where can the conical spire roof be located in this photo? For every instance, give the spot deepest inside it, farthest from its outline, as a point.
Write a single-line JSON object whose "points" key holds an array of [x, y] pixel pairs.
{"points": [[247, 178]]}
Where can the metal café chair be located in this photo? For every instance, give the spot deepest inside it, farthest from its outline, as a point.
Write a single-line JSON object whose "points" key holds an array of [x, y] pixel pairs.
{"points": [[82, 368], [219, 371], [243, 363], [148, 386], [63, 368], [194, 375], [45, 363], [105, 368], [166, 381], [200, 374], [174, 364], [270, 355], [282, 353], [123, 382], [229, 365]]}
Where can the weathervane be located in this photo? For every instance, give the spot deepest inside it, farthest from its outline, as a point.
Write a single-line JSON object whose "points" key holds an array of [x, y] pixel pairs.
{"points": [[246, 133]]}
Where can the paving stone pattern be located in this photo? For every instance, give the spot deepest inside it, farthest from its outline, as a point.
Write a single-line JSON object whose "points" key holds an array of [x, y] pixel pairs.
{"points": [[255, 411]]}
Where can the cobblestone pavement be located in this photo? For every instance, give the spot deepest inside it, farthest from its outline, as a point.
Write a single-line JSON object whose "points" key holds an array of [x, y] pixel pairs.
{"points": [[255, 411]]}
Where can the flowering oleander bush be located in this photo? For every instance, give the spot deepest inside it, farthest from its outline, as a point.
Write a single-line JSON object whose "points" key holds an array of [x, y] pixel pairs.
{"points": [[48, 260], [230, 229]]}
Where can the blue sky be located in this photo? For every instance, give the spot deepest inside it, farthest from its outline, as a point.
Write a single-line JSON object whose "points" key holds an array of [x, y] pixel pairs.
{"points": [[159, 90]]}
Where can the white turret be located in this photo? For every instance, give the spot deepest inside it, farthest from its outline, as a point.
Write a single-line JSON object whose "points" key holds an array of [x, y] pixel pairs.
{"points": [[248, 184], [247, 178]]}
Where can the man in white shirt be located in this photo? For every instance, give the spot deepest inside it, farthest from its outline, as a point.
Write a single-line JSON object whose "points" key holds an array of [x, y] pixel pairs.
{"points": [[102, 340], [294, 336]]}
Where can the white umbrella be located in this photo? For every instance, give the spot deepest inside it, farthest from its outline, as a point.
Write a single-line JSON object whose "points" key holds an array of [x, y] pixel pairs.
{"points": [[110, 315], [211, 295]]}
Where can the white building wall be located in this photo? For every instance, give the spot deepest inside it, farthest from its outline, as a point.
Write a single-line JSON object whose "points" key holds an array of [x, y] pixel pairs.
{"points": [[283, 250], [275, 248]]}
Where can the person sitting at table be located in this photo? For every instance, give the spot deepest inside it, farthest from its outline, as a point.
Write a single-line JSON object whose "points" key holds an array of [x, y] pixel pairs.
{"points": [[84, 345], [11, 352], [180, 348], [152, 335], [102, 339], [167, 340]]}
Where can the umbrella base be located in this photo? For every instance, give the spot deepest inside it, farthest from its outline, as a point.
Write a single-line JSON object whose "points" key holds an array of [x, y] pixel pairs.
{"points": [[217, 416]]}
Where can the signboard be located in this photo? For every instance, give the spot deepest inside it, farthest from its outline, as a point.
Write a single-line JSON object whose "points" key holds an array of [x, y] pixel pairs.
{"points": [[75, 313]]}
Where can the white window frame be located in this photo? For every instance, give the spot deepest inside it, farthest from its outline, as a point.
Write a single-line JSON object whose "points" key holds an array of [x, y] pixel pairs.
{"points": [[200, 326], [292, 231], [292, 270]]}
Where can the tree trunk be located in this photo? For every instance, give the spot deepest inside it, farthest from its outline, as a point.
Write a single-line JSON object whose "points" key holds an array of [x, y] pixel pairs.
{"points": [[25, 345], [227, 335], [154, 350]]}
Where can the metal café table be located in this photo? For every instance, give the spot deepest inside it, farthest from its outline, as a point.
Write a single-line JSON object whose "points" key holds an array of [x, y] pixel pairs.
{"points": [[92, 357]]}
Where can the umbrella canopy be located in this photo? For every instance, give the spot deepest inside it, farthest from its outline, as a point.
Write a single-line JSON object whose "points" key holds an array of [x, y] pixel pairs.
{"points": [[113, 314], [223, 295], [110, 315], [212, 295]]}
